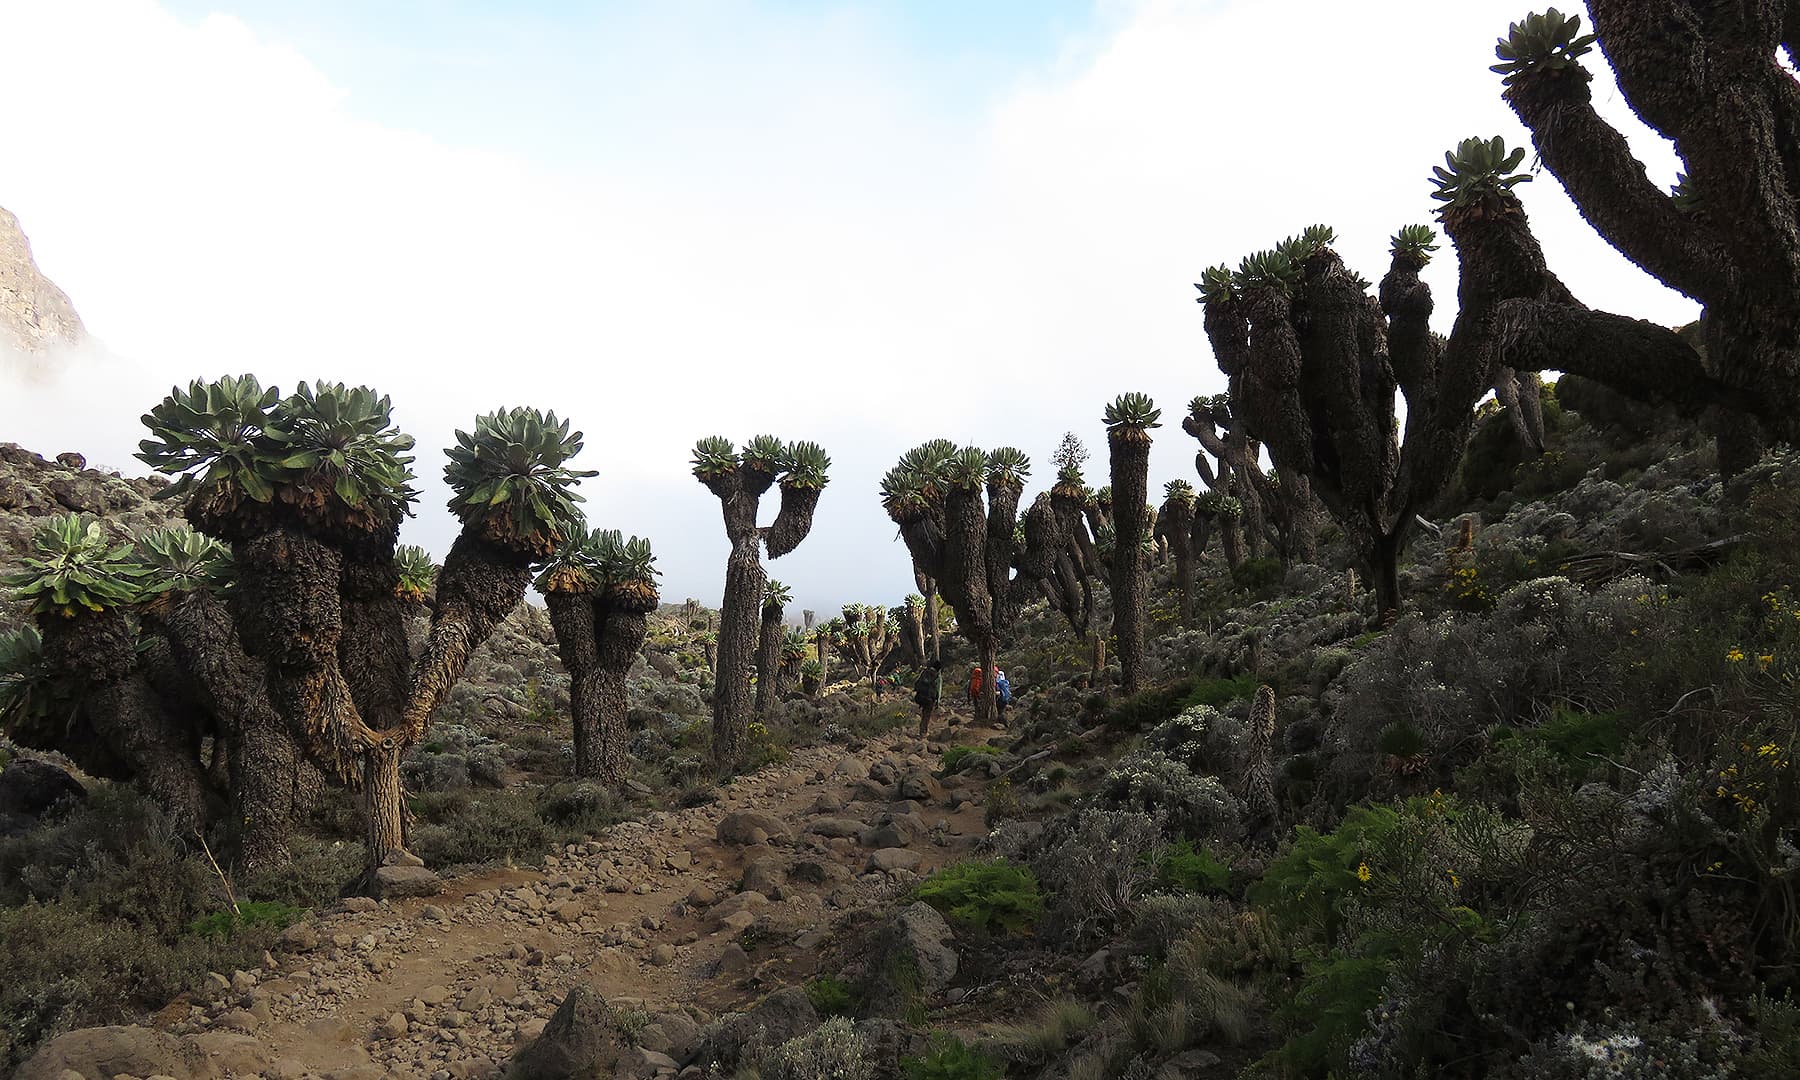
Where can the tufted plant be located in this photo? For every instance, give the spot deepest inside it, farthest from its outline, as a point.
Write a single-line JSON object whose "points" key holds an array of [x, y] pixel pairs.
{"points": [[739, 478], [771, 639], [1129, 420], [598, 589], [416, 573]]}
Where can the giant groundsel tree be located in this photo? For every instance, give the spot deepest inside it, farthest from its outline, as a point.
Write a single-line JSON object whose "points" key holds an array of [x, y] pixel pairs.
{"points": [[739, 480], [1709, 78], [1129, 420], [599, 588]]}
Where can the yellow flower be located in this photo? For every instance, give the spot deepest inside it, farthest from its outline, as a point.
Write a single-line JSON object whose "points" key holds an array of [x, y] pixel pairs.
{"points": [[1765, 660], [1455, 882], [1363, 873], [1735, 655]]}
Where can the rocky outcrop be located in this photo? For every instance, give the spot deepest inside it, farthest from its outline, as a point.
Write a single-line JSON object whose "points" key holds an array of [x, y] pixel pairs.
{"points": [[35, 315]]}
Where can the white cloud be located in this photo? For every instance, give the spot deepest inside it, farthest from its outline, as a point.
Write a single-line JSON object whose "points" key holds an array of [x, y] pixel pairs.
{"points": [[830, 259]]}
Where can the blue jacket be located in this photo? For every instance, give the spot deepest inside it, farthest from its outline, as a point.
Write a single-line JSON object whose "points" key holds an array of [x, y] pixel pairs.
{"points": [[1003, 688]]}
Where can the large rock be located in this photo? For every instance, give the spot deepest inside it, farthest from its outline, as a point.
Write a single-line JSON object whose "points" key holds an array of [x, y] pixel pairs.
{"points": [[34, 313], [583, 1038], [29, 786], [743, 827], [786, 1014], [912, 957], [105, 1052], [393, 882]]}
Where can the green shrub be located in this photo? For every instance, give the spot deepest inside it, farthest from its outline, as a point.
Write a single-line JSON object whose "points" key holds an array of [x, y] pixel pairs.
{"points": [[830, 996], [1308, 886], [1217, 692], [958, 758], [1183, 867], [458, 828], [950, 1059], [250, 915], [1400, 739], [988, 895], [1259, 576]]}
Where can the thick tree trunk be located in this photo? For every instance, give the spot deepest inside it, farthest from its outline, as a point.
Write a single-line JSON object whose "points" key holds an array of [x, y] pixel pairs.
{"points": [[1228, 541], [929, 588], [1130, 460], [384, 808], [372, 651], [479, 586], [621, 636], [272, 782], [768, 656], [990, 697], [573, 617], [744, 583], [95, 650], [1384, 574]]}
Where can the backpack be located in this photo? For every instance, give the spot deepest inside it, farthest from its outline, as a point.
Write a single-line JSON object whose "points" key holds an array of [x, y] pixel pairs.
{"points": [[925, 688], [1003, 688]]}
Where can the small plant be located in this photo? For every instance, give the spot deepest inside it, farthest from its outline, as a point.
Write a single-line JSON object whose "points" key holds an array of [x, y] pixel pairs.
{"points": [[949, 1058], [1475, 169], [958, 758], [1183, 867], [830, 996], [991, 896], [252, 914]]}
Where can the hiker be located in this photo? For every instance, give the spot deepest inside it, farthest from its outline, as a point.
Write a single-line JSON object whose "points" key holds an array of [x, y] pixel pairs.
{"points": [[974, 686], [926, 691], [880, 685], [1002, 696]]}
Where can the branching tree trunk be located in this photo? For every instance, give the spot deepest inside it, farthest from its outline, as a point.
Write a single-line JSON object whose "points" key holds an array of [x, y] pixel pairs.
{"points": [[1128, 424], [739, 482], [1709, 78]]}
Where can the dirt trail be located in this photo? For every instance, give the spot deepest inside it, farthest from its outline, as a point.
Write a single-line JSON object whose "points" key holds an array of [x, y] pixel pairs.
{"points": [[650, 914]]}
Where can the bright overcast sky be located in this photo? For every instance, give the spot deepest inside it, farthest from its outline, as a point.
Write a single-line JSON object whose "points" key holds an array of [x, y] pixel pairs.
{"points": [[861, 224]]}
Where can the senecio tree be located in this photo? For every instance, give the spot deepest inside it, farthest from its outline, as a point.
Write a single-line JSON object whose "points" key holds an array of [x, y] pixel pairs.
{"points": [[1175, 527], [1238, 491], [965, 545], [1128, 422], [739, 480], [1709, 78], [309, 491], [771, 638], [599, 589], [1314, 361]]}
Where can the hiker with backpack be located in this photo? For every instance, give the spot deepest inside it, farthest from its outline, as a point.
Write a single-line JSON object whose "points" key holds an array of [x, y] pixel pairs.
{"points": [[1002, 696], [975, 686], [927, 689]]}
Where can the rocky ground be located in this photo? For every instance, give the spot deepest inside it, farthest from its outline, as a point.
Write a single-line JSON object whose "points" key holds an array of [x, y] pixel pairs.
{"points": [[675, 920]]}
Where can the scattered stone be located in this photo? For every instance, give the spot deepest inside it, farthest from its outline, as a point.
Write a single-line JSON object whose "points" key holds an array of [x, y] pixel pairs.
{"points": [[741, 826], [582, 1038], [895, 858], [360, 904], [663, 955], [393, 1027], [914, 953], [110, 1051], [435, 994]]}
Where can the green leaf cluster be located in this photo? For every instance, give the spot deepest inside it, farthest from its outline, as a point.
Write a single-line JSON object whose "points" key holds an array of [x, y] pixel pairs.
{"points": [[598, 559], [417, 571], [345, 437], [948, 1058], [967, 469], [27, 689], [1415, 242], [714, 456], [1476, 169], [1008, 466], [776, 594], [511, 475], [805, 465], [992, 895], [1133, 410], [1217, 284], [1179, 490], [1546, 41], [220, 430], [72, 567], [233, 437]]}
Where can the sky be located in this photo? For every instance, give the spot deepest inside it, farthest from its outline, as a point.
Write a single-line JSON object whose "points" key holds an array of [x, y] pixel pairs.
{"points": [[863, 224]]}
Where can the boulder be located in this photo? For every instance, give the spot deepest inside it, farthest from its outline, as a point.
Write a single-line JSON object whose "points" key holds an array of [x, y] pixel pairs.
{"points": [[583, 1038], [765, 876], [895, 858], [786, 1014], [835, 826], [104, 1052], [393, 882], [913, 955], [741, 826], [29, 786]]}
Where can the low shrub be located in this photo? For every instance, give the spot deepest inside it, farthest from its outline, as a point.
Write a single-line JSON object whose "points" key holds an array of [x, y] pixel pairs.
{"points": [[250, 915], [830, 996], [949, 1058], [1185, 868], [958, 758], [992, 895]]}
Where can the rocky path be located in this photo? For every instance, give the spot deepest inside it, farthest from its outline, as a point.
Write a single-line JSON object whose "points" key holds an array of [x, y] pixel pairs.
{"points": [[683, 915]]}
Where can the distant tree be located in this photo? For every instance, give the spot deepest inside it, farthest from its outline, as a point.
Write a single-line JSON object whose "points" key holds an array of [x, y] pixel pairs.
{"points": [[739, 481], [1128, 422]]}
